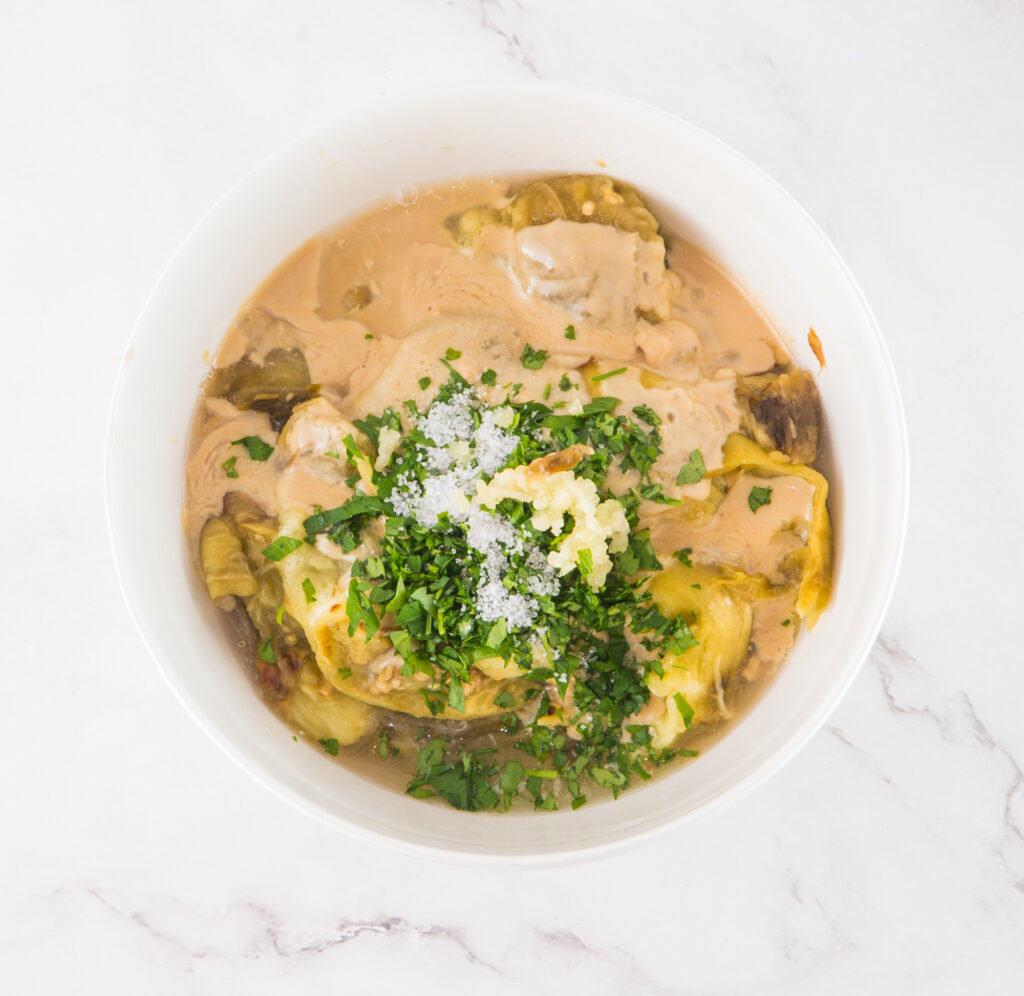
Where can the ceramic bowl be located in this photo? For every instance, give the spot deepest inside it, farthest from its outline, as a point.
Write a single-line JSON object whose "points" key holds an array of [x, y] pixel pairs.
{"points": [[700, 189]]}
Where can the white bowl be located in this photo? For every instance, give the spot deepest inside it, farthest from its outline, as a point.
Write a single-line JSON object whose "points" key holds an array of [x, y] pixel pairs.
{"points": [[700, 189]]}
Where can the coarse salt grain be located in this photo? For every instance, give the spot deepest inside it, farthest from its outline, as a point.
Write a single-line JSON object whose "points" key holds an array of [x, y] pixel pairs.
{"points": [[456, 462]]}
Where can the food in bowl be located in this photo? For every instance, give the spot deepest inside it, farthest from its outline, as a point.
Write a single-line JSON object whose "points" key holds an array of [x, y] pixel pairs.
{"points": [[507, 494]]}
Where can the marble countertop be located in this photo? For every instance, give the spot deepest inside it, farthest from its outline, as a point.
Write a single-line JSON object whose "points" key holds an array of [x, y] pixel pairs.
{"points": [[888, 856]]}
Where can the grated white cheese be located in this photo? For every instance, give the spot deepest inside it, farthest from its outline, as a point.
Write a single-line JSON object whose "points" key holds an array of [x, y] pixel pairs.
{"points": [[598, 526], [457, 460]]}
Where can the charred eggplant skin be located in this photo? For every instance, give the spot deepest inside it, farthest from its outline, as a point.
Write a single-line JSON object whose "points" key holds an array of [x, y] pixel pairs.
{"points": [[785, 414], [275, 387]]}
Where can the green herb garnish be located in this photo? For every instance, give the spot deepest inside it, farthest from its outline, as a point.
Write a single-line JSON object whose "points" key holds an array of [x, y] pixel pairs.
{"points": [[533, 359], [759, 496], [228, 466], [489, 378], [257, 449], [685, 709], [309, 591], [570, 331], [693, 470], [424, 383], [281, 547], [266, 651], [610, 373], [452, 354], [424, 579], [330, 745]]}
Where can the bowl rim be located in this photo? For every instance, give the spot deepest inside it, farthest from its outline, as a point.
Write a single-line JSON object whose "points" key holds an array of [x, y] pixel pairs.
{"points": [[899, 487]]}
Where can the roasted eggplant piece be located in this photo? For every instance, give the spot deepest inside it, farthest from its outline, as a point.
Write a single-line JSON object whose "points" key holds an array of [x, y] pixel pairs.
{"points": [[276, 386], [231, 548], [578, 197], [784, 414]]}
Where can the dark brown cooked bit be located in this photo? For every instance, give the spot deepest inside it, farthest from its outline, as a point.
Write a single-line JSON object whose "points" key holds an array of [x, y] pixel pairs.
{"points": [[273, 684], [357, 298], [786, 415]]}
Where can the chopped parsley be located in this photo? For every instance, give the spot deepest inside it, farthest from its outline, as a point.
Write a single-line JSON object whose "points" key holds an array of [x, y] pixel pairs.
{"points": [[758, 497], [424, 382], [330, 745], [281, 547], [463, 782], [683, 556], [266, 651], [309, 591], [452, 354], [533, 359], [564, 384], [506, 700], [489, 378], [425, 589], [685, 709], [610, 373], [570, 331], [228, 466], [693, 470], [384, 748], [257, 449]]}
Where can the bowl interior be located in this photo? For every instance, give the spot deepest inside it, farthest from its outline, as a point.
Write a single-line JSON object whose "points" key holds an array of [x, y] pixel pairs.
{"points": [[702, 190]]}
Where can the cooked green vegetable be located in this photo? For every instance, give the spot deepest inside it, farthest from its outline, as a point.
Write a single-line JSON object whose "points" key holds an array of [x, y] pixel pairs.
{"points": [[276, 386], [225, 565], [580, 198]]}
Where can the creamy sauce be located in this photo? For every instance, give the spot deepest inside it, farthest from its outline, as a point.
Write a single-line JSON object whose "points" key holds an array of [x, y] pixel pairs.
{"points": [[374, 305], [423, 283]]}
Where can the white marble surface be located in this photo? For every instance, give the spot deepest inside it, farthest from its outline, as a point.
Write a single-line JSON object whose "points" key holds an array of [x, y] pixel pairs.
{"points": [[888, 857]]}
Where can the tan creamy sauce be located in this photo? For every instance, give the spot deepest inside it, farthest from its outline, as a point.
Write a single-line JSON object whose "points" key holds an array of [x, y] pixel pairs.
{"points": [[426, 286], [374, 304]]}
